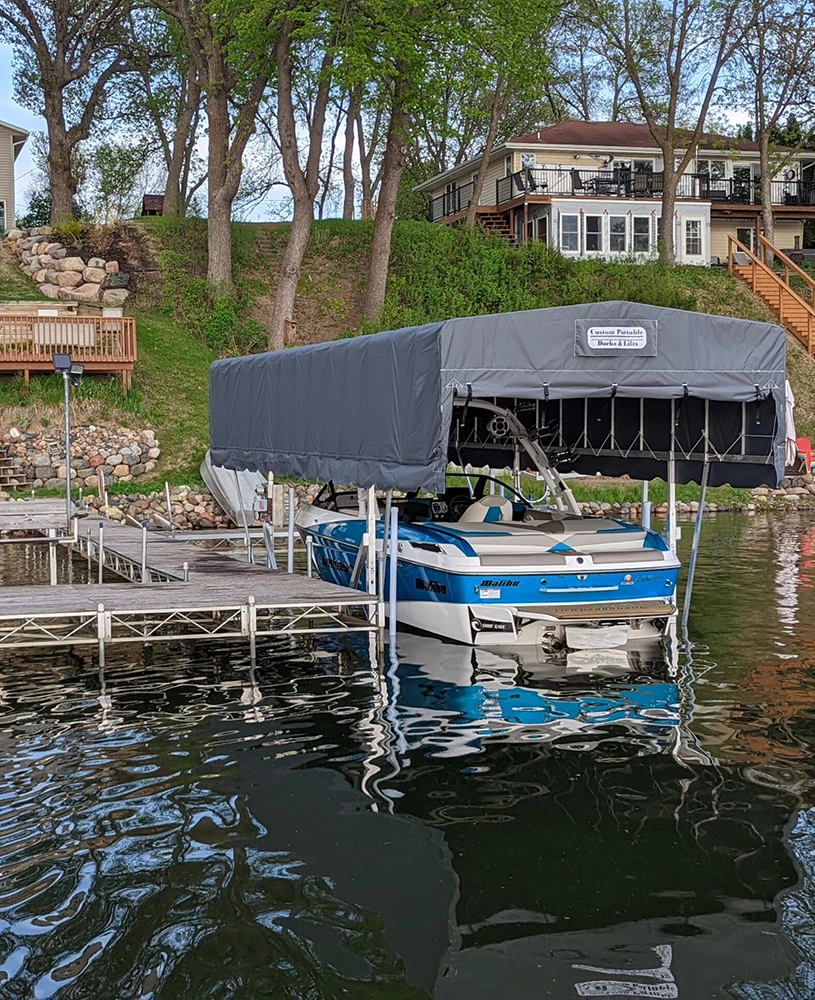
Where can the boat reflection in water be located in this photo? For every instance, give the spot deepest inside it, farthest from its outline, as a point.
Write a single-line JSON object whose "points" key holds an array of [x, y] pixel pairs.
{"points": [[452, 698]]}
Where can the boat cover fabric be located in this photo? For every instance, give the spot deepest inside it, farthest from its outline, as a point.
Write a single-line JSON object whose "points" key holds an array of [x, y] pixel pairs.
{"points": [[377, 410]]}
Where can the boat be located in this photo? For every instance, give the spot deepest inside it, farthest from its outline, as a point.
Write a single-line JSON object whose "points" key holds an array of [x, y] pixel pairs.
{"points": [[481, 564], [609, 388]]}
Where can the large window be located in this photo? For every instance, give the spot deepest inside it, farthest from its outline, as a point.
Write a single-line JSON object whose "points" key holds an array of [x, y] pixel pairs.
{"points": [[714, 169], [568, 232], [618, 234], [693, 237], [543, 228], [594, 232], [642, 235], [2, 216]]}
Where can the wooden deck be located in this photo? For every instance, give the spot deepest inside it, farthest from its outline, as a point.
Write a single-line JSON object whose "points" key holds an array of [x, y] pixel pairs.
{"points": [[189, 592], [101, 343], [32, 515]]}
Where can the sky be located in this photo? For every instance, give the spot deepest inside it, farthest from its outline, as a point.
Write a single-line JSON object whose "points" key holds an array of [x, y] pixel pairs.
{"points": [[14, 114]]}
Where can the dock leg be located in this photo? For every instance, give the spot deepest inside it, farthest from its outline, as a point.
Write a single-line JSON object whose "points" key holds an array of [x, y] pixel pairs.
{"points": [[393, 568], [52, 556], [102, 631], [370, 565], [290, 566], [100, 552], [88, 540], [645, 514], [144, 552]]}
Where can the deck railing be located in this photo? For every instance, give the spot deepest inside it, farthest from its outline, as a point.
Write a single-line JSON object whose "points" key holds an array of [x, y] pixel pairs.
{"points": [[30, 340], [617, 183]]}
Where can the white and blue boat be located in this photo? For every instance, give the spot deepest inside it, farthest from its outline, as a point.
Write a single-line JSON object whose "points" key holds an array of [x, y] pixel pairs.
{"points": [[608, 387]]}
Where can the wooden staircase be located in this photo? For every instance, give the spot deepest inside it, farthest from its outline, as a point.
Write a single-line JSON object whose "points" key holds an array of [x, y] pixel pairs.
{"points": [[494, 222], [770, 273]]}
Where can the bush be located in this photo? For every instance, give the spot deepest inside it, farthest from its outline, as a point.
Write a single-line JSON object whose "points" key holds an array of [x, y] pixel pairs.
{"points": [[70, 231]]}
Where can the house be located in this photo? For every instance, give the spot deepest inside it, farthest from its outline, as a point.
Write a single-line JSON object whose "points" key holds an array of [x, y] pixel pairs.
{"points": [[594, 189], [12, 140]]}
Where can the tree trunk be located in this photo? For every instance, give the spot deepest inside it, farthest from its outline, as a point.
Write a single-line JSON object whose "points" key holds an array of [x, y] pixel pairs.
{"points": [[348, 160], [61, 180], [396, 152], [219, 215], [182, 143], [289, 276], [767, 215], [665, 240], [495, 116]]}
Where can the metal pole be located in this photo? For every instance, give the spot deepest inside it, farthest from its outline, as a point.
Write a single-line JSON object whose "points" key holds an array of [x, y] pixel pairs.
{"points": [[186, 572], [144, 552], [88, 539], [670, 527], [694, 549], [268, 538], [383, 555], [249, 554], [645, 514], [290, 563], [52, 556], [370, 518], [169, 506], [392, 570], [309, 549], [66, 381], [101, 551]]}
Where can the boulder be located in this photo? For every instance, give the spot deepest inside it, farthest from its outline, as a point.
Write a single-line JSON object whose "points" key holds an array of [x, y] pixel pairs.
{"points": [[92, 482], [88, 293], [52, 277], [42, 231], [97, 262], [115, 460], [95, 461], [121, 471], [69, 279], [53, 246], [50, 291], [15, 234], [59, 254], [72, 264], [112, 267], [40, 276], [43, 472], [93, 274], [114, 296], [117, 280], [136, 470]]}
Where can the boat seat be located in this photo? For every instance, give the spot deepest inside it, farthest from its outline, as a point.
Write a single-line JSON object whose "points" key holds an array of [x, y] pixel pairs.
{"points": [[493, 508]]}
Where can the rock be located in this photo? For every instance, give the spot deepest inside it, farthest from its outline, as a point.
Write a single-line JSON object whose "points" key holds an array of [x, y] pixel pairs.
{"points": [[40, 276], [69, 279], [52, 277], [97, 262], [50, 247], [114, 459], [96, 460], [117, 280], [94, 274], [14, 434], [43, 472], [112, 267], [42, 231], [120, 471], [15, 234], [114, 296], [88, 293], [72, 264], [92, 482], [59, 254], [154, 453], [149, 466], [115, 513], [137, 469], [50, 291]]}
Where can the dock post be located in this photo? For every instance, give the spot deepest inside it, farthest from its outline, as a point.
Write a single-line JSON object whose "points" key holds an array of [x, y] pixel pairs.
{"points": [[144, 552], [102, 631], [645, 514], [290, 566], [382, 558], [370, 562], [268, 538], [169, 505], [52, 556], [100, 551], [309, 553], [253, 629], [186, 572], [392, 571], [694, 551], [88, 541]]}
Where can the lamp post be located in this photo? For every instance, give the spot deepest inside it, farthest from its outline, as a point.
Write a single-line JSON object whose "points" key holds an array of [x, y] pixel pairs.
{"points": [[70, 373]]}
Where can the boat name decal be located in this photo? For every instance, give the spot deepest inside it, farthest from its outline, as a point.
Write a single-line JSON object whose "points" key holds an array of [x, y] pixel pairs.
{"points": [[338, 565], [499, 583], [431, 586]]}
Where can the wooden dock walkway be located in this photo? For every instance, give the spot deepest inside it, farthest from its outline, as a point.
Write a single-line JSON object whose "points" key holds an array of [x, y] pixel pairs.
{"points": [[189, 593]]}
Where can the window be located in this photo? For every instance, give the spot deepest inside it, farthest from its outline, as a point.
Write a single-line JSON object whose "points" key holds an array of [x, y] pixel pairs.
{"points": [[618, 234], [693, 237], [2, 216], [508, 166], [643, 166], [642, 235], [451, 198], [568, 232], [746, 237], [594, 232], [714, 169], [543, 228]]}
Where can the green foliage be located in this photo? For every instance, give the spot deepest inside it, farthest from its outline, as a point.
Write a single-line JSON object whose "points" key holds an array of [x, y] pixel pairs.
{"points": [[39, 211], [70, 231]]}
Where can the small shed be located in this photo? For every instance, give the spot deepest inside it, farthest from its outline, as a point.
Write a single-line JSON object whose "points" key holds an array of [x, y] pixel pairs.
{"points": [[152, 204]]}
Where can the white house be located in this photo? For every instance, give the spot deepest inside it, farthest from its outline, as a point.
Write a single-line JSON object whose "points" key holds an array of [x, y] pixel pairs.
{"points": [[12, 140]]}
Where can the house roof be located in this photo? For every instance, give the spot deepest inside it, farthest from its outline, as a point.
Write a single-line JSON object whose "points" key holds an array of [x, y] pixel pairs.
{"points": [[616, 134], [18, 133]]}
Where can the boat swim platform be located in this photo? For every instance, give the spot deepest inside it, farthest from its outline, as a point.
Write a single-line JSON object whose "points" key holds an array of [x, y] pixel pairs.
{"points": [[189, 593]]}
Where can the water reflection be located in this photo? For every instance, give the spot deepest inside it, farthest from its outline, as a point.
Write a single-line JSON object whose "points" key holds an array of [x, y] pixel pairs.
{"points": [[336, 821]]}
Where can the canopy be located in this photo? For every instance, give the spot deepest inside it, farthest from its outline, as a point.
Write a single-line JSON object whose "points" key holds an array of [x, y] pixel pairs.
{"points": [[606, 387]]}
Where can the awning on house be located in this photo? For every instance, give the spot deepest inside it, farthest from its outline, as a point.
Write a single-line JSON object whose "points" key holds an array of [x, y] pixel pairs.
{"points": [[608, 387]]}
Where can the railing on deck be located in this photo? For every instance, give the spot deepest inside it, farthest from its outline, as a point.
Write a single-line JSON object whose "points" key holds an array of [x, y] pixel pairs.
{"points": [[778, 260], [619, 183], [27, 340]]}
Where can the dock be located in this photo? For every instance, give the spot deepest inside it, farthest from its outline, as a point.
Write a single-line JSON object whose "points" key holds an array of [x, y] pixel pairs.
{"points": [[188, 592]]}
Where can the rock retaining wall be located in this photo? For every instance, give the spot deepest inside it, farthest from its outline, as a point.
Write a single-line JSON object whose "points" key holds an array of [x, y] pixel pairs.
{"points": [[190, 508], [63, 272], [38, 459]]}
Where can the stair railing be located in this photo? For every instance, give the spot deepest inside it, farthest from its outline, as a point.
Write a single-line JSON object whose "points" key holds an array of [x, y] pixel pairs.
{"points": [[786, 295], [770, 252]]}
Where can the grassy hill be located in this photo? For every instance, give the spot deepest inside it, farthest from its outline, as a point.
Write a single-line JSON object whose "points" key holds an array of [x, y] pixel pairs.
{"points": [[436, 272]]}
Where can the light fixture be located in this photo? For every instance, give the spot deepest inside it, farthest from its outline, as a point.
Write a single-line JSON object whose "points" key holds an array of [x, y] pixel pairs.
{"points": [[62, 362]]}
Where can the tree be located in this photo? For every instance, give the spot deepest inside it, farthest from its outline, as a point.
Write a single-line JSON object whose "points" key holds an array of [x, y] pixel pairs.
{"points": [[115, 170], [39, 210], [674, 52], [773, 72], [67, 55], [233, 68]]}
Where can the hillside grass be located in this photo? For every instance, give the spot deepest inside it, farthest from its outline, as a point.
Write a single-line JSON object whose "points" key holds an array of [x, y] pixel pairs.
{"points": [[436, 272]]}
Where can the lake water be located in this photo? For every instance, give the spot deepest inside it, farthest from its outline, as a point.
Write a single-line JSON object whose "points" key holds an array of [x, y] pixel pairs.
{"points": [[341, 823]]}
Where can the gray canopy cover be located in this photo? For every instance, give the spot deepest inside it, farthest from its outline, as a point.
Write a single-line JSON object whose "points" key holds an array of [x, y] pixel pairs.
{"points": [[376, 410]]}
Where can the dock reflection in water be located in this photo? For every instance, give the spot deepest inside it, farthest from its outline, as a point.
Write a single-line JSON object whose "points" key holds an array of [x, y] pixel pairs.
{"points": [[448, 823]]}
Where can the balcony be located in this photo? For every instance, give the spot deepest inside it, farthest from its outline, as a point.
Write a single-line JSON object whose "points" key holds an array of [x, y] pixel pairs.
{"points": [[546, 182], [104, 344]]}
